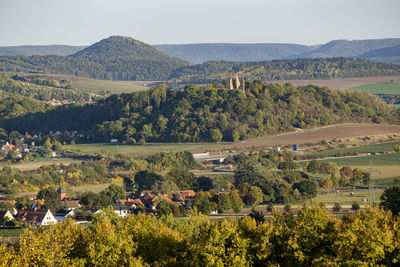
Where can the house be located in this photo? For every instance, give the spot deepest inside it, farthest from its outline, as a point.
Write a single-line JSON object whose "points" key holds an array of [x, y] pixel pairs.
{"points": [[70, 204], [25, 148], [187, 194], [61, 215], [9, 148], [37, 217], [5, 215], [121, 211]]}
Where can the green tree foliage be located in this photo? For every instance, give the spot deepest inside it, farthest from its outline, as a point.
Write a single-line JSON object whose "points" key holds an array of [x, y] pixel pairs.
{"points": [[236, 200], [144, 180], [313, 237], [192, 113], [183, 178], [51, 197], [40, 87], [307, 188], [302, 68], [390, 199]]}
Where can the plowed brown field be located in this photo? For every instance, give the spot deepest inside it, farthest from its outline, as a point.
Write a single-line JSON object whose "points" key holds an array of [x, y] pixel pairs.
{"points": [[342, 131]]}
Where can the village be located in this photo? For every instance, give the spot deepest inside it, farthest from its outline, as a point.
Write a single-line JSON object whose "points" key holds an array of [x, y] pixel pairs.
{"points": [[37, 214]]}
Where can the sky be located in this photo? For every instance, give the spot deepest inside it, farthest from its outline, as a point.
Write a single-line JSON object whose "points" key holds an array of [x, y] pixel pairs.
{"points": [[83, 22]]}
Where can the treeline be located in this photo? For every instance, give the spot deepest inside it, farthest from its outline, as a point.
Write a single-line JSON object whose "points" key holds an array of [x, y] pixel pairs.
{"points": [[40, 88], [210, 113], [313, 237], [302, 68]]}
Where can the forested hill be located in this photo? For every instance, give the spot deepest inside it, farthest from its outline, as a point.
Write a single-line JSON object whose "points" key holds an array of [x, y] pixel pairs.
{"points": [[320, 68], [211, 113], [199, 53], [387, 54], [117, 58]]}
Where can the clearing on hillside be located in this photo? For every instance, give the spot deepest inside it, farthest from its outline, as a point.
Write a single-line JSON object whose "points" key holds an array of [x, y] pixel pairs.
{"points": [[343, 83], [340, 131], [380, 88]]}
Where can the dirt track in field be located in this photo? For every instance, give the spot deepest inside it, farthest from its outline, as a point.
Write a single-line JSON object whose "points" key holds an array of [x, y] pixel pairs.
{"points": [[343, 83], [342, 131]]}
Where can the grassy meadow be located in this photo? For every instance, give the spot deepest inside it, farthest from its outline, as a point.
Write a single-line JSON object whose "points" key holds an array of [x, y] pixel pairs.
{"points": [[137, 150], [374, 148], [380, 88]]}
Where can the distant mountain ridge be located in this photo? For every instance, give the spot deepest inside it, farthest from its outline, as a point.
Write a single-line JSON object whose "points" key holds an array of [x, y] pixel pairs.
{"points": [[41, 50], [124, 58], [199, 53]]}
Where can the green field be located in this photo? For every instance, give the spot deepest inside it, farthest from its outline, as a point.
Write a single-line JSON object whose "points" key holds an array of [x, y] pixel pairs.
{"points": [[96, 188], [381, 160], [104, 86], [139, 150], [380, 88], [344, 198], [395, 105], [389, 146]]}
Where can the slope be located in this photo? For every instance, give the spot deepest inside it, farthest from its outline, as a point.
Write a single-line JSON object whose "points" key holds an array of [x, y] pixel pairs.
{"points": [[199, 53], [345, 48], [388, 54], [114, 58]]}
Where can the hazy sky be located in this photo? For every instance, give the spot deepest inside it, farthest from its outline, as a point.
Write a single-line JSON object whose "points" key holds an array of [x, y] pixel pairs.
{"points": [[83, 22]]}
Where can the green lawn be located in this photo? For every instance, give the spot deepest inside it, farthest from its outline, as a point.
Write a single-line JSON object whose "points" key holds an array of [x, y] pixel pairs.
{"points": [[344, 198], [380, 88], [96, 188], [389, 146], [381, 160], [139, 150]]}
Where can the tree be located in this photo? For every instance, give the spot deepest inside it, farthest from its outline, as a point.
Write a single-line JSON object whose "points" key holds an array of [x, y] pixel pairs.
{"points": [[224, 202], [257, 216], [183, 178], [51, 197], [47, 144], [216, 135], [202, 202], [390, 199], [314, 166], [91, 200], [57, 146], [14, 138], [145, 180], [112, 193], [237, 203], [307, 188], [336, 207], [346, 171], [129, 184], [355, 206], [165, 187], [251, 195]]}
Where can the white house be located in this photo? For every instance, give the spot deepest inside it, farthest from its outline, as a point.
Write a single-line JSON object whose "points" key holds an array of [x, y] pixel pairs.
{"points": [[6, 214], [37, 217]]}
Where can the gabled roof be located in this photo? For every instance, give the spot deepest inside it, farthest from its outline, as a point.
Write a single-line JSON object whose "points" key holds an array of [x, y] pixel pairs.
{"points": [[31, 215], [71, 204], [3, 213]]}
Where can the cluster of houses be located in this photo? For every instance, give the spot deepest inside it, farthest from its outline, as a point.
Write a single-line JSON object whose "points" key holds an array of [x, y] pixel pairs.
{"points": [[37, 216], [7, 148], [55, 102]]}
